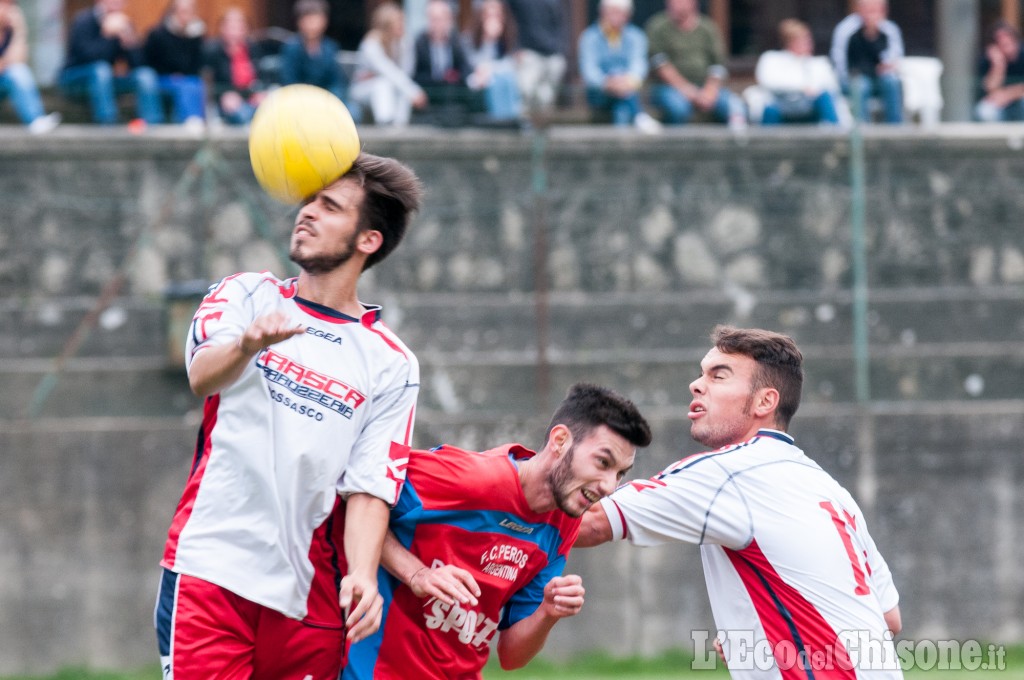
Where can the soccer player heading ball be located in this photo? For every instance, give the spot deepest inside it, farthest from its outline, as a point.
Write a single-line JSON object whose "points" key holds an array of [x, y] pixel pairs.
{"points": [[306, 424]]}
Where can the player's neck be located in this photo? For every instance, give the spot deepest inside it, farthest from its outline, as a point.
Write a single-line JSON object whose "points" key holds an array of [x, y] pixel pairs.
{"points": [[335, 289], [532, 479]]}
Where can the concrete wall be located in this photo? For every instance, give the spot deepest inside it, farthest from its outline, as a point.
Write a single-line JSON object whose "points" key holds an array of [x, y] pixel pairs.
{"points": [[644, 244]]}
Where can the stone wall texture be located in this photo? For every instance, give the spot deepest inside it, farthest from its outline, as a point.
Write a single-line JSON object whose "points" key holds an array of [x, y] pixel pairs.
{"points": [[587, 254]]}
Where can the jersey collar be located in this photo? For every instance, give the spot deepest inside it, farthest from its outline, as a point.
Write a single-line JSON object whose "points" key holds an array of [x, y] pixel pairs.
{"points": [[325, 313], [776, 434]]}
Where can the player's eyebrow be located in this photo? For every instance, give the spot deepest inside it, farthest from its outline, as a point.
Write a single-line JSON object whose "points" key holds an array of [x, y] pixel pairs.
{"points": [[720, 367], [615, 461], [331, 202]]}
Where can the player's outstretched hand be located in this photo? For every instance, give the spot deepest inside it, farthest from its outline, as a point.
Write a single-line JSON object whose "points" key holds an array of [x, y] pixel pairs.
{"points": [[361, 605], [447, 583], [563, 596], [268, 330]]}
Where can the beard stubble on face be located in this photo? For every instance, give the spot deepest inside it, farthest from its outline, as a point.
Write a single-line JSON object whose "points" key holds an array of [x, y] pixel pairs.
{"points": [[560, 481], [322, 263], [722, 434]]}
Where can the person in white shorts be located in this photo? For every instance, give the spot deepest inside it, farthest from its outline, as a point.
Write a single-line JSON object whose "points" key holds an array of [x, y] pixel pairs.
{"points": [[797, 587]]}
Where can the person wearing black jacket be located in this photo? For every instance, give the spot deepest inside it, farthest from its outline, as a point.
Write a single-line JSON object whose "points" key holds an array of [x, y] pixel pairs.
{"points": [[104, 59], [443, 67], [174, 49], [232, 60]]}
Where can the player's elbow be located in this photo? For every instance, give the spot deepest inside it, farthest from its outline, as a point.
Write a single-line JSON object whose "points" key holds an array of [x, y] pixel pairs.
{"points": [[510, 658]]}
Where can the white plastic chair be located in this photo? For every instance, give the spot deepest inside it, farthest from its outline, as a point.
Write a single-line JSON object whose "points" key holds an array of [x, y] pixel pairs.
{"points": [[922, 93]]}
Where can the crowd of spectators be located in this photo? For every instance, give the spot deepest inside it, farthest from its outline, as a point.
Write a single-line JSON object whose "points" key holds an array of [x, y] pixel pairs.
{"points": [[507, 68]]}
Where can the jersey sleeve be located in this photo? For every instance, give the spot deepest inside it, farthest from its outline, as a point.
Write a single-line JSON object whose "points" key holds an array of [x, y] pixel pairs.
{"points": [[880, 575], [225, 313], [694, 501], [526, 600], [380, 455]]}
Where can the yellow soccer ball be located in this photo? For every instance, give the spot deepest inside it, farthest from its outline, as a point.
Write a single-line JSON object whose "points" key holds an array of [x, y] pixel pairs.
{"points": [[302, 139]]}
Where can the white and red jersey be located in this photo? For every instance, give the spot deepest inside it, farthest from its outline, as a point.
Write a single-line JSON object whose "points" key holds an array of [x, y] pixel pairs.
{"points": [[319, 416], [788, 559]]}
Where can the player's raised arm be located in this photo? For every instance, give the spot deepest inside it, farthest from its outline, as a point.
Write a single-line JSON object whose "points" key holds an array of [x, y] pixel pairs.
{"points": [[219, 366], [518, 644], [447, 583]]}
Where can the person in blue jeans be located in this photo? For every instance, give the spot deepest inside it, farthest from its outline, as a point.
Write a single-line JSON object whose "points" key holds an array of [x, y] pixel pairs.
{"points": [[799, 87], [613, 63], [687, 60], [311, 57], [490, 44], [174, 49], [866, 51], [16, 79], [104, 59]]}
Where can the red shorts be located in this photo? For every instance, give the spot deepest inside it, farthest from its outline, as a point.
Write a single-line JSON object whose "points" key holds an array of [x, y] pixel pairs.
{"points": [[205, 632]]}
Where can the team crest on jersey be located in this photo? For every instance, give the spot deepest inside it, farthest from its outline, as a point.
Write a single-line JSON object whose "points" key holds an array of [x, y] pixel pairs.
{"points": [[310, 385]]}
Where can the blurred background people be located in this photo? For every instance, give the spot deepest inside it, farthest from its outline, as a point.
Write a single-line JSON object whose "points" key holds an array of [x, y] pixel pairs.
{"points": [[16, 79], [174, 49], [383, 78], [543, 43], [442, 67], [866, 51], [490, 44], [232, 60], [1002, 76], [104, 59], [688, 66], [799, 87], [613, 65], [311, 57]]}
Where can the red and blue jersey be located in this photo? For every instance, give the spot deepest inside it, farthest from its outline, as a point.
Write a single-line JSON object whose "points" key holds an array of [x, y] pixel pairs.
{"points": [[466, 509]]}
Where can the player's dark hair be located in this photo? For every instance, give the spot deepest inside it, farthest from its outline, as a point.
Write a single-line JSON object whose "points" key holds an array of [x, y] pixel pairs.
{"points": [[779, 364], [393, 194], [588, 406], [1002, 26], [304, 7]]}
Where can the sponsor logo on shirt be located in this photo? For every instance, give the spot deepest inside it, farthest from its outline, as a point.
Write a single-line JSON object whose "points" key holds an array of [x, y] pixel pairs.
{"points": [[504, 561], [512, 525], [323, 335], [305, 383], [470, 626]]}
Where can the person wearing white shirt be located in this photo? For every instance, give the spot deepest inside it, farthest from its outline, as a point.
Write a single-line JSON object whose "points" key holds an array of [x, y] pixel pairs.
{"points": [[383, 78], [798, 587], [799, 87]]}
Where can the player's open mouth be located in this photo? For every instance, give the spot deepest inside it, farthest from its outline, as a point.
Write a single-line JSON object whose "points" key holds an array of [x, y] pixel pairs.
{"points": [[696, 411], [590, 496]]}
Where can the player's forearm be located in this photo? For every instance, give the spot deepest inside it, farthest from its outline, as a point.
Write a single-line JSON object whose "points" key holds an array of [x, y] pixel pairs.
{"points": [[366, 524], [399, 562], [595, 529], [216, 368], [518, 644], [893, 620]]}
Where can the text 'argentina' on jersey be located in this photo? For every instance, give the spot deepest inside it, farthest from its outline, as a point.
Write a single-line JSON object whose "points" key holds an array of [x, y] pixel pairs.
{"points": [[305, 383]]}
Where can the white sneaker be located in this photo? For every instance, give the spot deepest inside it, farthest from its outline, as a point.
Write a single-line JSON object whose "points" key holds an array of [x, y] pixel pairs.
{"points": [[646, 124], [44, 124], [194, 125]]}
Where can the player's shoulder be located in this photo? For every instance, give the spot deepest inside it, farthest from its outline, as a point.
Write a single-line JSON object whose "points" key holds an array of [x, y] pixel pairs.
{"points": [[249, 283], [387, 339]]}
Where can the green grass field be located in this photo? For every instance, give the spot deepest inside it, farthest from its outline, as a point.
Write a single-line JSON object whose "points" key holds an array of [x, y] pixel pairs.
{"points": [[670, 666]]}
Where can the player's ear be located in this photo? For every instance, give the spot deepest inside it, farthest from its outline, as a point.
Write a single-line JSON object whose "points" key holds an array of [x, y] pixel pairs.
{"points": [[766, 402], [560, 439], [369, 241]]}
